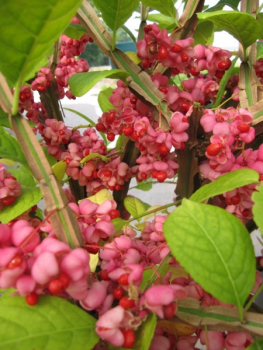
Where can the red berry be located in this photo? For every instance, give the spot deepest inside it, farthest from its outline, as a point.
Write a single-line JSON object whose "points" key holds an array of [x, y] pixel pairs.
{"points": [[64, 279], [61, 132], [67, 160], [219, 74], [164, 89], [110, 117], [182, 147], [92, 248], [224, 65], [193, 71], [235, 199], [133, 99], [154, 174], [162, 53], [161, 176], [129, 338], [169, 310], [144, 176], [118, 293], [123, 279], [104, 275], [176, 48], [185, 106], [114, 213], [55, 286], [184, 57], [163, 149], [145, 64], [34, 208], [185, 120], [260, 179], [127, 303], [15, 262], [134, 136], [127, 130], [245, 213], [48, 83], [100, 127], [28, 95], [8, 200], [32, 299], [243, 127], [107, 173], [175, 71], [22, 96], [147, 28], [110, 136], [142, 132], [214, 149], [142, 148]]}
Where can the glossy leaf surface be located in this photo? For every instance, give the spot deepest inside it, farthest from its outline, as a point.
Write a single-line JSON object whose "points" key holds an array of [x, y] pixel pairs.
{"points": [[215, 248]]}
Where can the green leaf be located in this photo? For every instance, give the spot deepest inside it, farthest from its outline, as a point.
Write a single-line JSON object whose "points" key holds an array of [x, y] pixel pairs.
{"points": [[256, 345], [81, 83], [204, 33], [92, 156], [119, 141], [222, 3], [165, 7], [144, 186], [233, 23], [259, 50], [115, 13], [257, 208], [134, 206], [74, 31], [147, 274], [145, 333], [215, 248], [118, 224], [28, 198], [59, 170], [225, 183], [27, 31], [103, 100], [10, 148], [4, 119], [260, 22], [53, 323], [163, 21], [25, 179]]}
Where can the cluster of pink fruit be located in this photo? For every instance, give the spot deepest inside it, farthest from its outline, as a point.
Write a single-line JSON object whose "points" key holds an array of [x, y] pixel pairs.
{"points": [[10, 188], [36, 266]]}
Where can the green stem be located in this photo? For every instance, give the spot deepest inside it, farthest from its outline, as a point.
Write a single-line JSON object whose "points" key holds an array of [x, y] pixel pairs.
{"points": [[254, 297], [154, 210], [16, 97], [113, 45]]}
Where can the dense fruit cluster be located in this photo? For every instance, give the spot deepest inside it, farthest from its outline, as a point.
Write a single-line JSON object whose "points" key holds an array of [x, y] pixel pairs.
{"points": [[10, 188]]}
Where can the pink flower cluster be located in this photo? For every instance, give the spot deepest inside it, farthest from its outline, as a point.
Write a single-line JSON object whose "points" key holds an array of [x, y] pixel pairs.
{"points": [[10, 188]]}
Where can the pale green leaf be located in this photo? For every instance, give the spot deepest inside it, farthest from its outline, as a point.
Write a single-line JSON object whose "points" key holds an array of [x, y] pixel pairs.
{"points": [[115, 13], [256, 345], [144, 186], [259, 50], [4, 119], [103, 100], [118, 224], [92, 156], [53, 323], [134, 206], [25, 179], [204, 33], [28, 198], [257, 208], [225, 183], [233, 23], [215, 248], [162, 20], [10, 148], [59, 170], [260, 22], [165, 7], [219, 6], [145, 333], [28, 29], [74, 31], [81, 83]]}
